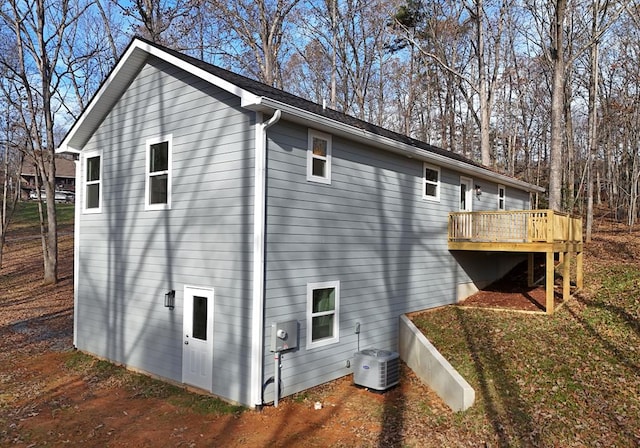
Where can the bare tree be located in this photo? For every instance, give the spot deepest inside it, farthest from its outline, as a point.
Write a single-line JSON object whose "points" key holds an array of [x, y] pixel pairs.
{"points": [[260, 26], [550, 16], [38, 30], [11, 160], [161, 21], [478, 30]]}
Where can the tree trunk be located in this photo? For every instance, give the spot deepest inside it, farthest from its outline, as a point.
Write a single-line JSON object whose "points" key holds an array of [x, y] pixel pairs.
{"points": [[485, 112], [557, 107], [593, 129]]}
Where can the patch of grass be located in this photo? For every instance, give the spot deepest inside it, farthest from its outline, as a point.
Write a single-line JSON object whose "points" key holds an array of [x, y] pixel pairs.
{"points": [[147, 387], [26, 215], [203, 404], [301, 397], [78, 360], [550, 380], [94, 368]]}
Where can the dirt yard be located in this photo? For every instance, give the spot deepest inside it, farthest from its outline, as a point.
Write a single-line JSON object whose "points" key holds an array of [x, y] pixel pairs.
{"points": [[52, 396]]}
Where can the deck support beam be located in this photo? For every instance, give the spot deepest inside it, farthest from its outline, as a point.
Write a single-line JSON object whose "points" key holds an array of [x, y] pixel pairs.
{"points": [[579, 273], [549, 280], [566, 277], [530, 269]]}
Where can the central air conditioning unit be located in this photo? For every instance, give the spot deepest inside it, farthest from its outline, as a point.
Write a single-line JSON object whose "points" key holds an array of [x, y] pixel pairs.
{"points": [[376, 369]]}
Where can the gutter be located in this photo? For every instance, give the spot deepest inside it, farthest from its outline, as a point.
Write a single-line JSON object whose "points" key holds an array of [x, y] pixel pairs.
{"points": [[259, 228], [320, 122]]}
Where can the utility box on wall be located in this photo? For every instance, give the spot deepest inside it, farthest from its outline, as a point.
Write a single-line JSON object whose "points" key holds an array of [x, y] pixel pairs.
{"points": [[284, 336]]}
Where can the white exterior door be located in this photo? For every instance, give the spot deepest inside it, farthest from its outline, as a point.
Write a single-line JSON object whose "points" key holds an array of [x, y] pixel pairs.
{"points": [[197, 348], [466, 194], [466, 205]]}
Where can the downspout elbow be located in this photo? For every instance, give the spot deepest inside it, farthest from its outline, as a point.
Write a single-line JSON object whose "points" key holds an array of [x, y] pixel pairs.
{"points": [[273, 120]]}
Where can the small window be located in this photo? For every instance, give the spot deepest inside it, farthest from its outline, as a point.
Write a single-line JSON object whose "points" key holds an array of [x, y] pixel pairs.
{"points": [[323, 302], [431, 182], [158, 182], [200, 318], [92, 202], [502, 196], [319, 157]]}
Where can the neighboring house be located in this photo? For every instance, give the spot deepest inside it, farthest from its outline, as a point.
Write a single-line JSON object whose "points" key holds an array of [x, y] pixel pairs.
{"points": [[65, 179], [245, 205]]}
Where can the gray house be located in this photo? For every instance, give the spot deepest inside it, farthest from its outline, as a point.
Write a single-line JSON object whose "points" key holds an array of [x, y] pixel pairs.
{"points": [[211, 206]]}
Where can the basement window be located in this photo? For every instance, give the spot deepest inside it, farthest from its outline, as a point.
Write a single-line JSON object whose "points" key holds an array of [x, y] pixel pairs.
{"points": [[323, 303]]}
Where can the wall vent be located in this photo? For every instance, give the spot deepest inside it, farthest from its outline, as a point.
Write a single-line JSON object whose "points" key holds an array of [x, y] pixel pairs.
{"points": [[376, 369]]}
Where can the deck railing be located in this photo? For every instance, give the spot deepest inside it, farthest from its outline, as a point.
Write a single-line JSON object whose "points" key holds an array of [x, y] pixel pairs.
{"points": [[522, 226]]}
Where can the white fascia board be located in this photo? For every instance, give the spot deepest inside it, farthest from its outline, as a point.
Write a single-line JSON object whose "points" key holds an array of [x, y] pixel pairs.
{"points": [[323, 123], [244, 95], [118, 81]]}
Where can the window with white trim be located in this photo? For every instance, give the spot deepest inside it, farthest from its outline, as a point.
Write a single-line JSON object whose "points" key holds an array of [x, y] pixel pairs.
{"points": [[158, 174], [92, 191], [319, 157], [431, 179], [502, 197], [323, 304]]}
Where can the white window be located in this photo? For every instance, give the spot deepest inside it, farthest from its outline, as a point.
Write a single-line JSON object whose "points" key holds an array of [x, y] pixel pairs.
{"points": [[431, 187], [502, 196], [319, 157], [92, 188], [158, 174], [323, 304]]}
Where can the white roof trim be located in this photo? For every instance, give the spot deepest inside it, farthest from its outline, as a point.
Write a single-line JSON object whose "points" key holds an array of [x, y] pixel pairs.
{"points": [[116, 83], [200, 73]]}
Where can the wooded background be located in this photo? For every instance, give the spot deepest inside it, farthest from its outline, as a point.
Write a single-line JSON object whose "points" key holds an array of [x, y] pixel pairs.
{"points": [[545, 91]]}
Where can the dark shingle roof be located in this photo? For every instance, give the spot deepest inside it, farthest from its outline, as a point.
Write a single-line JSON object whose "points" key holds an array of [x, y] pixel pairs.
{"points": [[260, 89]]}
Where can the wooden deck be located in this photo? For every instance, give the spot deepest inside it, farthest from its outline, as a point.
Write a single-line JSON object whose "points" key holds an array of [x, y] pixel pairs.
{"points": [[526, 231]]}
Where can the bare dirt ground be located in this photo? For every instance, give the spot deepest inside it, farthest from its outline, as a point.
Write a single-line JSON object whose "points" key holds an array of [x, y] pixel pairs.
{"points": [[512, 292], [46, 400]]}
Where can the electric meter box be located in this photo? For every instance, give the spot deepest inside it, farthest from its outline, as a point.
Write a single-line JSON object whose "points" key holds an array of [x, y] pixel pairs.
{"points": [[284, 336]]}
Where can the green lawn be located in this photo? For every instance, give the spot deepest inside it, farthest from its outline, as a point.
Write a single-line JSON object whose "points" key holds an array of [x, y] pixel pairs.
{"points": [[26, 215], [571, 379]]}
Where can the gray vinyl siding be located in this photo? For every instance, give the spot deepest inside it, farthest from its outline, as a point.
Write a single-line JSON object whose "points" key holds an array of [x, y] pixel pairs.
{"points": [[129, 257], [514, 200], [370, 229]]}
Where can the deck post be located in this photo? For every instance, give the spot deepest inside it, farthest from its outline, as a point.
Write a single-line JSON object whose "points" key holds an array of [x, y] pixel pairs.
{"points": [[549, 279], [579, 273], [566, 277], [530, 278]]}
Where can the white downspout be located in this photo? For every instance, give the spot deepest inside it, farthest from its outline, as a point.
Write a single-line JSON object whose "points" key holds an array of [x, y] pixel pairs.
{"points": [[259, 222], [76, 247]]}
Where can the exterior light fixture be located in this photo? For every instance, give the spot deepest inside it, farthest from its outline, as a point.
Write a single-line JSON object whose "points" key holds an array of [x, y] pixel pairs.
{"points": [[478, 191], [170, 299]]}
